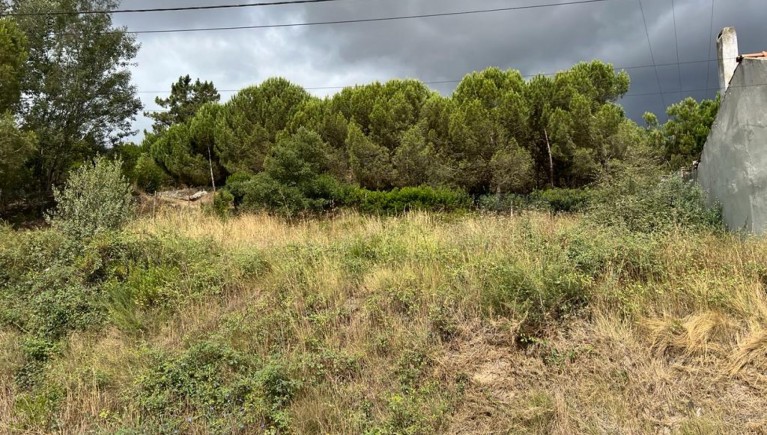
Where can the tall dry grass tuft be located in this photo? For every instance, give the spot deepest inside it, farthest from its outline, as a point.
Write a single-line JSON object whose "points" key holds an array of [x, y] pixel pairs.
{"points": [[694, 335], [752, 352]]}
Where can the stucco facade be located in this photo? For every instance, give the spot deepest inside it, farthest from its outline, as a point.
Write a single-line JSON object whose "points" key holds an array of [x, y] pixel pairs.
{"points": [[733, 168]]}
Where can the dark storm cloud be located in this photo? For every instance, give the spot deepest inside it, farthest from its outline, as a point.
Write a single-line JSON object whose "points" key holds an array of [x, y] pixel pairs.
{"points": [[434, 49]]}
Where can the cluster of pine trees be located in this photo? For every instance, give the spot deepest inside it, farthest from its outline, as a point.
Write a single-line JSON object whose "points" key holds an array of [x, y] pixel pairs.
{"points": [[497, 133]]}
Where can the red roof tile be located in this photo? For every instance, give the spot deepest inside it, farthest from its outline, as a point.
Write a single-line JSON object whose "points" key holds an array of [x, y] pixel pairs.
{"points": [[761, 55]]}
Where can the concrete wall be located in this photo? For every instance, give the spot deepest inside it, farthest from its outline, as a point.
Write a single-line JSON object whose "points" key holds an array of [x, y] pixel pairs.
{"points": [[727, 47], [733, 169]]}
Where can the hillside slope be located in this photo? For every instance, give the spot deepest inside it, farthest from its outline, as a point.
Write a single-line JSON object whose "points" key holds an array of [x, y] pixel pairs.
{"points": [[416, 324]]}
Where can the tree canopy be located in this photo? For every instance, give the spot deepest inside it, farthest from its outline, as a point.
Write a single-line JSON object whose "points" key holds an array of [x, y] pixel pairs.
{"points": [[77, 84], [681, 138], [185, 99], [13, 55], [497, 133]]}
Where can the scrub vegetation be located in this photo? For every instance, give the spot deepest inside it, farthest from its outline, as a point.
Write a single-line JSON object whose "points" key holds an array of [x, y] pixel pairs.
{"points": [[641, 316], [517, 257]]}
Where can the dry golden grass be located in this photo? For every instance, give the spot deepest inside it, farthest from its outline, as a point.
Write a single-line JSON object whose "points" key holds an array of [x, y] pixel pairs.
{"points": [[679, 349]]}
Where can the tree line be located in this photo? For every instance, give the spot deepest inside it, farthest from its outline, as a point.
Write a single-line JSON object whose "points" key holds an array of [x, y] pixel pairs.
{"points": [[495, 133], [66, 96]]}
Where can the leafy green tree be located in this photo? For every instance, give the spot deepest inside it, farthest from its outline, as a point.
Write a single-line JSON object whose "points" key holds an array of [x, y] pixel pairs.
{"points": [[571, 122], [140, 168], [488, 87], [148, 175], [435, 117], [316, 115], [488, 115], [13, 55], [512, 169], [15, 149], [396, 109], [203, 135], [474, 137], [185, 99], [539, 96], [129, 154], [249, 124], [77, 82], [174, 150], [370, 163], [357, 103], [413, 159], [242, 146], [187, 150], [295, 177], [298, 159], [16, 146], [683, 136]]}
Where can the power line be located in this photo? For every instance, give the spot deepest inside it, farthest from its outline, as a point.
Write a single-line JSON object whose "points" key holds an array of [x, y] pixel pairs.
{"points": [[676, 41], [708, 89], [710, 42], [173, 9], [652, 56], [439, 82], [368, 20]]}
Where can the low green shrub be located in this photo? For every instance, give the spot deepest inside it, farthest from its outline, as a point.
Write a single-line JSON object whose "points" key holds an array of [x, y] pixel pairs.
{"points": [[236, 184], [417, 411], [96, 198], [50, 290], [533, 297], [323, 193], [406, 199], [503, 203], [552, 200], [218, 388], [262, 192], [561, 200], [329, 365], [223, 203], [594, 251], [38, 409], [648, 206]]}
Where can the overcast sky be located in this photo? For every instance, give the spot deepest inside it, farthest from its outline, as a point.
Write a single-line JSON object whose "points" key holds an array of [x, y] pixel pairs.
{"points": [[533, 41]]}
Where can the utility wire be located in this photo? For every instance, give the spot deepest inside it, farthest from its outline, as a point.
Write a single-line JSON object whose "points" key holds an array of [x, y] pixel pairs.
{"points": [[753, 85], [652, 56], [173, 9], [710, 42], [368, 20], [676, 41], [439, 82]]}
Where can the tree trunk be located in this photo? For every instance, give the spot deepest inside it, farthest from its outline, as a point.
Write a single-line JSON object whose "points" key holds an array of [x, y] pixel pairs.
{"points": [[551, 159], [210, 164]]}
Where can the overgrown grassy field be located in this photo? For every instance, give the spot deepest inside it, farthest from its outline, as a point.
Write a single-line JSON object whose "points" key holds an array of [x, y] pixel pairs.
{"points": [[421, 323]]}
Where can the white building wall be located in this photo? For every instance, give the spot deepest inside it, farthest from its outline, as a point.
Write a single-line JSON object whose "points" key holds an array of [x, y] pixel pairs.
{"points": [[733, 169]]}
